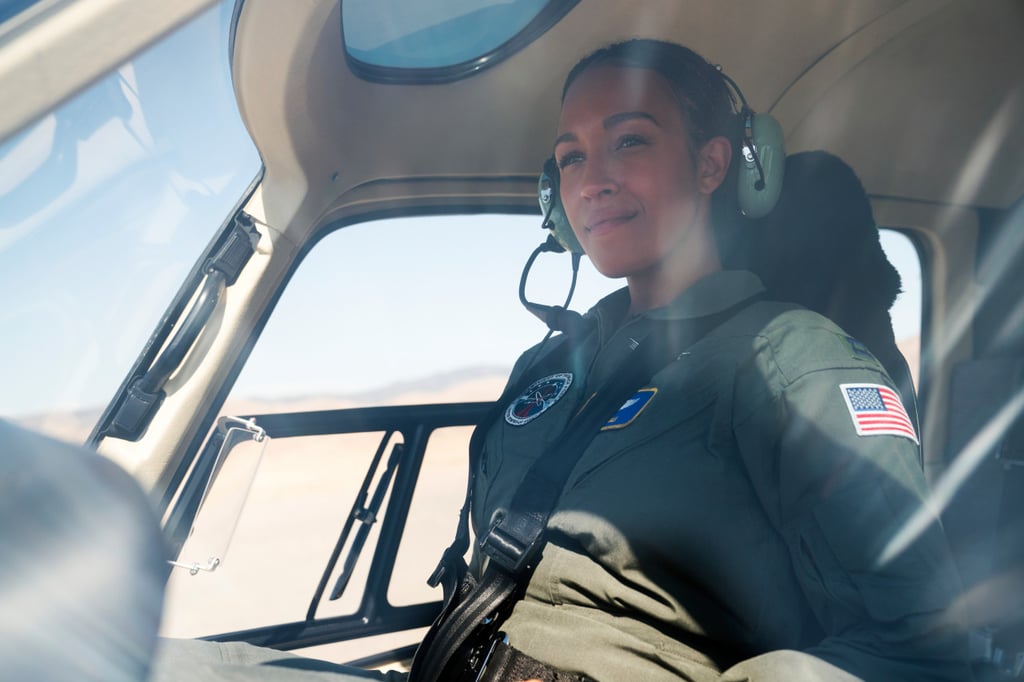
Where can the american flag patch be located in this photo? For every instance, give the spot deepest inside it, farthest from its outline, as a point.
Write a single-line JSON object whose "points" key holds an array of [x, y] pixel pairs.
{"points": [[877, 411]]}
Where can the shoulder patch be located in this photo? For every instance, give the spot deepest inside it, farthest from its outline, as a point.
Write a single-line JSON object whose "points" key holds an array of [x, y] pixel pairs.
{"points": [[540, 396], [859, 350], [877, 410], [630, 409]]}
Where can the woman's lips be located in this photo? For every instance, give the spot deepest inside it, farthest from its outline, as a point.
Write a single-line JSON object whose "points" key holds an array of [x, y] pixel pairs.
{"points": [[606, 222]]}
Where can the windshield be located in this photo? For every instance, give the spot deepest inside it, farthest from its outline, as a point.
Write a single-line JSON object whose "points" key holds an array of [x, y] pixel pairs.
{"points": [[107, 202]]}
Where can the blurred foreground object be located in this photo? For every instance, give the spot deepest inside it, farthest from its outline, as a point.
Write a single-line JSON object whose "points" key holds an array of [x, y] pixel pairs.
{"points": [[82, 564]]}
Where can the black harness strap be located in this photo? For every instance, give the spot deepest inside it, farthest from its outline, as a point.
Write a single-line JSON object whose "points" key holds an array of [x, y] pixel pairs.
{"points": [[505, 663], [514, 541], [451, 569]]}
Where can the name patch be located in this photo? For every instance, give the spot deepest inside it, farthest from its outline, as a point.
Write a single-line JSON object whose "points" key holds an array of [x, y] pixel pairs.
{"points": [[538, 398], [630, 409]]}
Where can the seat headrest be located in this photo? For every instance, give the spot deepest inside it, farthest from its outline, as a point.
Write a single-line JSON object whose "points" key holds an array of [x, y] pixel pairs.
{"points": [[820, 246]]}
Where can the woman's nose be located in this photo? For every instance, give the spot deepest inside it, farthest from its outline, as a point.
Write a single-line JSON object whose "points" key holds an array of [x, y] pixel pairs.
{"points": [[597, 179]]}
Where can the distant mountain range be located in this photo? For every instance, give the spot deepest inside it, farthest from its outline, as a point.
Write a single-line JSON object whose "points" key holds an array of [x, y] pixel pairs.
{"points": [[462, 385]]}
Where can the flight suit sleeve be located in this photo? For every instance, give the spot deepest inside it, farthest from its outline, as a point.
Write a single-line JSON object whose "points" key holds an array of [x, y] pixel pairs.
{"points": [[851, 506]]}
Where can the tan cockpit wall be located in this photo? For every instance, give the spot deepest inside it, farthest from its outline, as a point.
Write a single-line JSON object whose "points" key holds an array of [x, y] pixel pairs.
{"points": [[337, 148]]}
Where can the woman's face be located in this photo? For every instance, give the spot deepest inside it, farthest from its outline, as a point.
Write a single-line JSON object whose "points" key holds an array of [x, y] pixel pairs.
{"points": [[634, 194]]}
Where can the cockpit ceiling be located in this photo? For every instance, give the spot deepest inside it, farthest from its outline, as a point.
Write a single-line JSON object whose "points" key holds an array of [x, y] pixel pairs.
{"points": [[920, 96]]}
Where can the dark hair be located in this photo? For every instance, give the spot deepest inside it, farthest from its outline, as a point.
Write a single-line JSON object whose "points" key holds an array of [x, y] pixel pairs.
{"points": [[699, 88]]}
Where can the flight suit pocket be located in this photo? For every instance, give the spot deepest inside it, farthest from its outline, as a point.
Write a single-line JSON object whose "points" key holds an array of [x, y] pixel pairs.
{"points": [[673, 425], [510, 448]]}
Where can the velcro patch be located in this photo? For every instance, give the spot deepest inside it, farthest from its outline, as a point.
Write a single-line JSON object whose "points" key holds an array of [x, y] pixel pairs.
{"points": [[630, 409], [538, 398], [859, 350], [877, 411]]}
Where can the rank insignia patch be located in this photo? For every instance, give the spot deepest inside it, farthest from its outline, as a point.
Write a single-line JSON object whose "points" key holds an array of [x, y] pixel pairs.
{"points": [[536, 399], [859, 349], [877, 411], [630, 409]]}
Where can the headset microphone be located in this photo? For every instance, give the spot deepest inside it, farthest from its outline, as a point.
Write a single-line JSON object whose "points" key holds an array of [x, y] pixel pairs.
{"points": [[557, 318]]}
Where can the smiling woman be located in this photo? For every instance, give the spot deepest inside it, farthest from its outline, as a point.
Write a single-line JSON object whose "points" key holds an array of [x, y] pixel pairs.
{"points": [[696, 481], [639, 203], [724, 523]]}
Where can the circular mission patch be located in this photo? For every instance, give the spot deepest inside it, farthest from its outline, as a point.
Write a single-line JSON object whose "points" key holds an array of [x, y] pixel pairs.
{"points": [[536, 399]]}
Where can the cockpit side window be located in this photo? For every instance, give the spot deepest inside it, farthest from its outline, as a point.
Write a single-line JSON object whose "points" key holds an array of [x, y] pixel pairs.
{"points": [[107, 202]]}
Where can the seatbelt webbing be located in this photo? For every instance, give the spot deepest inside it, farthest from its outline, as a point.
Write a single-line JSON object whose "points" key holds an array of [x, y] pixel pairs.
{"points": [[451, 569], [513, 542]]}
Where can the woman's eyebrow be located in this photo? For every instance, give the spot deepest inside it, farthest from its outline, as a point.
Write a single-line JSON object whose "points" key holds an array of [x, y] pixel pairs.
{"points": [[616, 119], [609, 123]]}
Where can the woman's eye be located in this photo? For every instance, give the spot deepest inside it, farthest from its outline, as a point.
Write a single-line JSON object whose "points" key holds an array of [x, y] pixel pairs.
{"points": [[568, 159], [631, 141]]}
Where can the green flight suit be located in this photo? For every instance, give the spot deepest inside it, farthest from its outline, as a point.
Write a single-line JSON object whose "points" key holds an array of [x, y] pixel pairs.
{"points": [[730, 522]]}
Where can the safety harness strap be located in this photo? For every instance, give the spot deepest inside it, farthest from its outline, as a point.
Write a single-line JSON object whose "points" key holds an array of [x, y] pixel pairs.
{"points": [[460, 639], [451, 569]]}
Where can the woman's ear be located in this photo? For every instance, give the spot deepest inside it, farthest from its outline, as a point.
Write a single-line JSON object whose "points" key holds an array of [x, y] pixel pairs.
{"points": [[713, 163]]}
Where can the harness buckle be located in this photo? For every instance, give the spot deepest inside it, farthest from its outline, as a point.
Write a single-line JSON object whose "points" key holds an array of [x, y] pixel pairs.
{"points": [[512, 540]]}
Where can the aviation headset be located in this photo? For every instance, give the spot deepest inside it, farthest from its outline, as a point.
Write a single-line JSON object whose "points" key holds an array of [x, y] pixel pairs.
{"points": [[760, 158]]}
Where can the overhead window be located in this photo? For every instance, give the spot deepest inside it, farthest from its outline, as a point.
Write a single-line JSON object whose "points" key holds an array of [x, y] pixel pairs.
{"points": [[10, 8], [410, 41]]}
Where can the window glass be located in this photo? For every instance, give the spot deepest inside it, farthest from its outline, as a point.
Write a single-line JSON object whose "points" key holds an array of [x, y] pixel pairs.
{"points": [[431, 526], [10, 8], [434, 317], [107, 203], [300, 497], [411, 35], [907, 311]]}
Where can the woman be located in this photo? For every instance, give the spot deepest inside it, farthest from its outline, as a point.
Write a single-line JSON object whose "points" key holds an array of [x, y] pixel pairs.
{"points": [[736, 519], [744, 523]]}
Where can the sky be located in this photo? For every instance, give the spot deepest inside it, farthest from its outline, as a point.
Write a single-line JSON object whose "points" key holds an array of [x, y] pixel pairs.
{"points": [[106, 204]]}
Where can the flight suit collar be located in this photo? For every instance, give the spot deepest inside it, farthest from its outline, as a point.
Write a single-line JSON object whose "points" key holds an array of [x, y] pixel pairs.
{"points": [[614, 336], [711, 294]]}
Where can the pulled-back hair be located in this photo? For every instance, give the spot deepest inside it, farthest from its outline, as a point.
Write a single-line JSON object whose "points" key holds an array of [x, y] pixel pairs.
{"points": [[699, 88]]}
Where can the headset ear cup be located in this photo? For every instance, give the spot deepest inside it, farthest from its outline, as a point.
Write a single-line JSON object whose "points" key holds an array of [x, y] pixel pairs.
{"points": [[551, 207], [759, 189]]}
